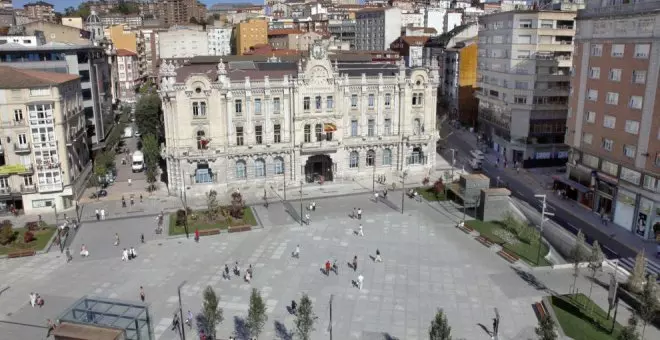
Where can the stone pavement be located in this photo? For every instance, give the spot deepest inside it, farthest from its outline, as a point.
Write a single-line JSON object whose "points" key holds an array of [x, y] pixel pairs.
{"points": [[427, 264]]}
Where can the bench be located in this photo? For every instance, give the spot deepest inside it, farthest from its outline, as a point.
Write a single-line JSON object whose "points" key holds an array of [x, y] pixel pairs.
{"points": [[208, 232], [539, 310], [465, 228], [511, 258], [240, 228], [21, 253], [485, 241]]}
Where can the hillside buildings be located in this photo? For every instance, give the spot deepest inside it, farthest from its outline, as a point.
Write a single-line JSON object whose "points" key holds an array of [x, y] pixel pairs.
{"points": [[377, 28]]}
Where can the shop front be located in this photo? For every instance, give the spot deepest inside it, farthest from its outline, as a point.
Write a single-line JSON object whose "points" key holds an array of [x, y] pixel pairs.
{"points": [[605, 192], [647, 220], [624, 212], [578, 185]]}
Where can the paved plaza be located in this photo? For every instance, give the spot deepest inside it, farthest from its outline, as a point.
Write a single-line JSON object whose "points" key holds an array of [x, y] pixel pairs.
{"points": [[427, 264]]}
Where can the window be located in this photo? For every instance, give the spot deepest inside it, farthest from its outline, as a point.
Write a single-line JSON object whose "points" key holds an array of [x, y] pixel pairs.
{"points": [[524, 39], [651, 183], [354, 101], [18, 115], [27, 181], [617, 50], [238, 107], [354, 128], [642, 51], [199, 109], [636, 102], [609, 121], [629, 151], [594, 72], [631, 176], [257, 106], [239, 135], [258, 134], [329, 103], [318, 131], [202, 142], [608, 144], [387, 127], [39, 92], [203, 174], [418, 99], [371, 127], [632, 126], [276, 105], [592, 95], [597, 50], [240, 169], [371, 100], [417, 127], [278, 165], [608, 167], [260, 167], [639, 77], [417, 156], [522, 85], [354, 159], [371, 158], [587, 138], [388, 100], [547, 24], [387, 157], [277, 133], [318, 103], [519, 100], [307, 133], [615, 74], [590, 117], [306, 103], [526, 23], [612, 98], [22, 139]]}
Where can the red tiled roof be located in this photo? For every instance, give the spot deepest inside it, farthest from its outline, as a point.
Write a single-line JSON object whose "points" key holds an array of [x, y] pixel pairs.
{"points": [[14, 78], [415, 40], [284, 31], [122, 52]]}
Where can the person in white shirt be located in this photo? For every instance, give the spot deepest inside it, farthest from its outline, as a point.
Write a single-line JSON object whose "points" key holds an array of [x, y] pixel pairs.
{"points": [[124, 255], [360, 281], [83, 251]]}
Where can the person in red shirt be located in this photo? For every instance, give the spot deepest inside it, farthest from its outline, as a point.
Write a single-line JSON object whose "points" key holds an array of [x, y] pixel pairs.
{"points": [[327, 267], [196, 235]]}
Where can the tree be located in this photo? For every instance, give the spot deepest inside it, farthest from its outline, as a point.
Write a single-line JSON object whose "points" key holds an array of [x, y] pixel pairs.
{"points": [[237, 207], [194, 20], [649, 301], [147, 115], [256, 314], [630, 331], [577, 255], [546, 328], [636, 278], [212, 205], [595, 263], [440, 329], [211, 314], [151, 152], [305, 318]]}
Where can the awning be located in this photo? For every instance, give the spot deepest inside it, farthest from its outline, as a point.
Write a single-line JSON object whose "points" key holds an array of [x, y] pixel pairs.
{"points": [[573, 184]]}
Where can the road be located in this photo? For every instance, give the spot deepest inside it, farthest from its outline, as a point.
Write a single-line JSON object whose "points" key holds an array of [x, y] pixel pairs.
{"points": [[566, 218]]}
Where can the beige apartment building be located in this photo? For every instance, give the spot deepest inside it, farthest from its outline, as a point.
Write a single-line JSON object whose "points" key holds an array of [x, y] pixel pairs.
{"points": [[614, 123], [44, 153], [40, 10]]}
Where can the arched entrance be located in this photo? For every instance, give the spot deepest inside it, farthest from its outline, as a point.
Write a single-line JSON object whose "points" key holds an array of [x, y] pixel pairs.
{"points": [[317, 166]]}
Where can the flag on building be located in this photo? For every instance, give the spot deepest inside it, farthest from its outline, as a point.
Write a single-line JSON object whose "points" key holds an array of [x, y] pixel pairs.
{"points": [[329, 127]]}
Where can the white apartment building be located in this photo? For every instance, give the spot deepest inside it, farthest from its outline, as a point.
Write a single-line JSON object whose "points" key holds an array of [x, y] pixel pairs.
{"points": [[182, 42], [412, 18], [44, 156], [128, 74], [524, 62], [272, 123], [26, 40], [377, 28], [219, 40]]}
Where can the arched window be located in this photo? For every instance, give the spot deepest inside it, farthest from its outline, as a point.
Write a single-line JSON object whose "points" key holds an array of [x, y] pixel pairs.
{"points": [[371, 158], [202, 141], [417, 156], [387, 157], [417, 126], [240, 169], [260, 167], [318, 130], [355, 159], [279, 165]]}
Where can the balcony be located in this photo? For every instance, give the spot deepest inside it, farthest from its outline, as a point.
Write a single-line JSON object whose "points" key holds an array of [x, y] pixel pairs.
{"points": [[320, 146], [13, 122], [22, 148], [48, 165], [5, 191], [28, 189], [26, 169], [50, 187]]}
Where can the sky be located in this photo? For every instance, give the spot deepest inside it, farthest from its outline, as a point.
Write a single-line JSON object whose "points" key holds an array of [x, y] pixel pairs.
{"points": [[60, 5]]}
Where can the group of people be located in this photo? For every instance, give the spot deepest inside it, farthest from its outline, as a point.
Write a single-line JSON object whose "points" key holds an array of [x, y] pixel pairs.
{"points": [[128, 254], [36, 300], [237, 271]]}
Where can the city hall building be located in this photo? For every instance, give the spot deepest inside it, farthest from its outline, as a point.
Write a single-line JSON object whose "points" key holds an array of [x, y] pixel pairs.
{"points": [[273, 123]]}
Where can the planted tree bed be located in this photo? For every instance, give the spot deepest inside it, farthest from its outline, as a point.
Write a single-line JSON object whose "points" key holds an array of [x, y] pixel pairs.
{"points": [[15, 242], [197, 219], [581, 319]]}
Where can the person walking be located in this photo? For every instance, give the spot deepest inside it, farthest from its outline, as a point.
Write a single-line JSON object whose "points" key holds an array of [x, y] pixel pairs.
{"points": [[196, 235], [313, 206], [140, 198], [327, 268], [296, 253], [360, 281], [307, 219], [103, 214], [378, 259], [50, 326], [359, 213], [124, 255], [360, 231], [376, 196], [142, 293], [175, 321], [98, 215], [132, 200], [226, 273], [116, 239], [354, 213], [68, 255], [355, 263]]}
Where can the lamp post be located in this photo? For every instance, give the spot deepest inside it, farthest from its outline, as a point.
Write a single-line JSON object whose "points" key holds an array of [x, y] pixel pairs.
{"points": [[453, 161], [373, 177], [543, 219], [332, 296], [301, 201], [403, 189], [183, 329]]}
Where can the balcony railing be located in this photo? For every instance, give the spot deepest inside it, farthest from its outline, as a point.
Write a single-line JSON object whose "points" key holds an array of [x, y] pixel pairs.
{"points": [[27, 189], [5, 191], [51, 187], [22, 148]]}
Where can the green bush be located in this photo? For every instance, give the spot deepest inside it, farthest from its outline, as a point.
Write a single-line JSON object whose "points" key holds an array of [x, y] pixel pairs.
{"points": [[32, 226], [6, 234], [181, 217], [28, 237]]}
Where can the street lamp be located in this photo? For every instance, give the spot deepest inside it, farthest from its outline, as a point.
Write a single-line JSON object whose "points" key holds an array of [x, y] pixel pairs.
{"points": [[453, 162], [373, 177], [332, 296], [301, 201], [543, 219], [403, 188], [183, 329]]}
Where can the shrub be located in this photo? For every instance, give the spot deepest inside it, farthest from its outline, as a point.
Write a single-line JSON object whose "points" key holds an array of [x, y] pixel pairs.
{"points": [[438, 187], [28, 237], [426, 181], [180, 217], [6, 234], [32, 226], [237, 205]]}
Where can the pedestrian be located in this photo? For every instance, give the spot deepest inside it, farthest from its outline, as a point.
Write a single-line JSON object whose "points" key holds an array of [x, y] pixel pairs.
{"points": [[196, 235], [132, 253], [307, 219], [175, 321], [68, 255], [33, 299], [124, 255], [116, 239], [142, 293], [132, 199], [51, 327], [313, 206], [98, 215], [360, 231], [327, 268], [375, 196], [359, 213], [378, 259], [83, 251], [141, 238], [140, 198], [103, 214], [354, 213], [189, 319], [355, 263], [130, 182], [226, 273], [360, 281], [296, 253], [123, 202]]}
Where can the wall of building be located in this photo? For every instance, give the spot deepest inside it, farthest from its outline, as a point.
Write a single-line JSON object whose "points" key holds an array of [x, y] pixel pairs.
{"points": [[122, 38], [467, 82], [219, 40], [182, 43], [75, 22], [251, 33], [58, 33]]}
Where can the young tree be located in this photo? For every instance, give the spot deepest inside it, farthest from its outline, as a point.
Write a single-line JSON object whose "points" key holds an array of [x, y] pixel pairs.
{"points": [[211, 314], [305, 318], [212, 205], [151, 152], [256, 314], [636, 278], [630, 331], [546, 328], [147, 115], [595, 263], [649, 301], [577, 256], [440, 329]]}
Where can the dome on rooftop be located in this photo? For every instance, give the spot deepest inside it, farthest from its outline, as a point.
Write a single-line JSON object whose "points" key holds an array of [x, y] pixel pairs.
{"points": [[93, 18]]}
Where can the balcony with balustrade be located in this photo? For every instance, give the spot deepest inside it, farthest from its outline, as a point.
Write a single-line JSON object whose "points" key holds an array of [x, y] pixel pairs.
{"points": [[50, 187], [22, 148]]}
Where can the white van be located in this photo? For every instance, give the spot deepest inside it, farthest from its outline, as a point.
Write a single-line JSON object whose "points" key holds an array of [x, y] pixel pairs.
{"points": [[477, 154]]}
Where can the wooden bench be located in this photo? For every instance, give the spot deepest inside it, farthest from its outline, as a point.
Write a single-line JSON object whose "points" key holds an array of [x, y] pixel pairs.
{"points": [[240, 228], [209, 232], [485, 241], [21, 253], [539, 310], [511, 258], [465, 228]]}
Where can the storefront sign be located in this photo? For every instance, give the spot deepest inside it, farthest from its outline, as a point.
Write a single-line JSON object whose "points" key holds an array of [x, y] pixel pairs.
{"points": [[604, 177]]}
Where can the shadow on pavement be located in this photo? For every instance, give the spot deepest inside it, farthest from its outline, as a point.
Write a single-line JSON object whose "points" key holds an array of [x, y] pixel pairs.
{"points": [[531, 279], [281, 332], [240, 329]]}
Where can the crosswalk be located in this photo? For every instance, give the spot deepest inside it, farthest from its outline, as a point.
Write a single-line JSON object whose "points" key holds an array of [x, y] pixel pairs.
{"points": [[628, 263]]}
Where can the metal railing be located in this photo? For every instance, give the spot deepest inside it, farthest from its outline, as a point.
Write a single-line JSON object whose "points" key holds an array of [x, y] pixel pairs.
{"points": [[22, 147]]}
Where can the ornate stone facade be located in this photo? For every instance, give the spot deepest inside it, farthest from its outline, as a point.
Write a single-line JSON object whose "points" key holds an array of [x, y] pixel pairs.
{"points": [[275, 124]]}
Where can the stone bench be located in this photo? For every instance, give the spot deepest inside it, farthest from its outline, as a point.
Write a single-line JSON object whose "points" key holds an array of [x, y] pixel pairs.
{"points": [[509, 257], [240, 228], [21, 253], [539, 310], [209, 232], [485, 241]]}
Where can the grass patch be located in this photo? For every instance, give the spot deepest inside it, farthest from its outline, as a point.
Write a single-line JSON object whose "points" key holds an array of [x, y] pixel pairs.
{"points": [[525, 251], [429, 194], [196, 220], [41, 238], [582, 319]]}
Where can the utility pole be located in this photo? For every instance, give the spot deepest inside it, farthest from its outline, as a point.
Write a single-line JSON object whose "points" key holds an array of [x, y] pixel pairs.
{"points": [[543, 219], [453, 161], [183, 329], [373, 177], [403, 189], [332, 296], [301, 203]]}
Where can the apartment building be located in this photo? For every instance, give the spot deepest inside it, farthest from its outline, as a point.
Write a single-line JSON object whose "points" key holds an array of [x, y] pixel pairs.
{"points": [[250, 33], [40, 10], [182, 42], [129, 75], [219, 40], [292, 39], [122, 37], [179, 12], [6, 4], [44, 158], [53, 32], [132, 21], [523, 76], [377, 28], [613, 124]]}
